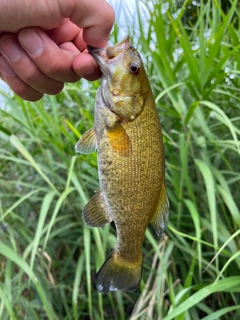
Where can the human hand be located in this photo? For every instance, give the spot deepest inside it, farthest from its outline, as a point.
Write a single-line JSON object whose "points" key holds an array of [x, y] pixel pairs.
{"points": [[43, 44]]}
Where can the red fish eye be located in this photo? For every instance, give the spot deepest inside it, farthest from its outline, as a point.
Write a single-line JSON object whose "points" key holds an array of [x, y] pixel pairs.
{"points": [[134, 68]]}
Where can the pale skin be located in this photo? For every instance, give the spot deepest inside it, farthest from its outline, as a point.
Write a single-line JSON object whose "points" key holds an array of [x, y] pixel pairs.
{"points": [[43, 43]]}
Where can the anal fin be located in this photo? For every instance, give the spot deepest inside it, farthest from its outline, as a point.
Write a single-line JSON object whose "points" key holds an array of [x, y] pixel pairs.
{"points": [[159, 219], [95, 213], [87, 143]]}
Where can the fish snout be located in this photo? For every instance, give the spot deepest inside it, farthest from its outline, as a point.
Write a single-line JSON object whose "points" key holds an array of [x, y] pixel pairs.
{"points": [[99, 55]]}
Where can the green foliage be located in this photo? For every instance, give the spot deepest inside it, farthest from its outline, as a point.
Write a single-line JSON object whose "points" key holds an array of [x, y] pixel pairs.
{"points": [[48, 257]]}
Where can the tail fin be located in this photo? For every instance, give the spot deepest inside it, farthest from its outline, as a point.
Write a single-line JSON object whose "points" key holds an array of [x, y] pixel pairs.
{"points": [[118, 273]]}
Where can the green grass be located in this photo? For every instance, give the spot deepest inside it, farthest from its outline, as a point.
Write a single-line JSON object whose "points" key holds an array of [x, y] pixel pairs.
{"points": [[48, 256]]}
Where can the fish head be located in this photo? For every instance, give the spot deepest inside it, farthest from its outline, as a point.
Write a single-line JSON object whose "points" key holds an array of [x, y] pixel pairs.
{"points": [[124, 81]]}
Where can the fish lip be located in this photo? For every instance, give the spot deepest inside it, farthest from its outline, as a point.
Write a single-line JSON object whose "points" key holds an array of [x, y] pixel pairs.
{"points": [[98, 54], [107, 55]]}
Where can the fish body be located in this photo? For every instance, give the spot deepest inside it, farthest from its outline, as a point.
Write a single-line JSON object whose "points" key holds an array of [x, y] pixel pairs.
{"points": [[128, 138]]}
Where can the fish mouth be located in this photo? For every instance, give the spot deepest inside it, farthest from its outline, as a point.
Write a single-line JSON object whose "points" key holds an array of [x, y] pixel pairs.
{"points": [[107, 55]]}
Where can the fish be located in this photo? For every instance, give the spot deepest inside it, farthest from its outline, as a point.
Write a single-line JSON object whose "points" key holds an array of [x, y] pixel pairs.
{"points": [[128, 138]]}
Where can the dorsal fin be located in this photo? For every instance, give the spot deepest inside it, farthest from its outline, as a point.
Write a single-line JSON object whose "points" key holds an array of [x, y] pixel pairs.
{"points": [[159, 219]]}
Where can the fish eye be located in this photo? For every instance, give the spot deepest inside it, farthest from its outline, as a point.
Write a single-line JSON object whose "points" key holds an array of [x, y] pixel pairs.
{"points": [[134, 68]]}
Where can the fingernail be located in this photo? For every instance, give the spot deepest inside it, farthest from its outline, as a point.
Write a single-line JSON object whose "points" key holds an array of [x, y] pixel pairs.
{"points": [[88, 68], [6, 68], [31, 41], [10, 48]]}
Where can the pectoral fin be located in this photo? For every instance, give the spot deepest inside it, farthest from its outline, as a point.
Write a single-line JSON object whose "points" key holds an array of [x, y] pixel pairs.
{"points": [[95, 213], [87, 143], [119, 140], [160, 218]]}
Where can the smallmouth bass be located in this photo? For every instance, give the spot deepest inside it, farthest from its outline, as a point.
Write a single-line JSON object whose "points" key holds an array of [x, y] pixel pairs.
{"points": [[128, 138]]}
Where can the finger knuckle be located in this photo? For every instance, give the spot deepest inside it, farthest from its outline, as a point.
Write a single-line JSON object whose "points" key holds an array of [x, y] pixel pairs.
{"points": [[54, 68], [56, 88], [26, 93]]}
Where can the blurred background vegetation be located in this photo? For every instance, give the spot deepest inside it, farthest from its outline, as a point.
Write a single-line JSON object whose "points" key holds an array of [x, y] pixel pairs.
{"points": [[48, 257]]}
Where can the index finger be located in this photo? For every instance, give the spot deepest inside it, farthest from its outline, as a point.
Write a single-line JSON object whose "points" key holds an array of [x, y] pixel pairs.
{"points": [[96, 18]]}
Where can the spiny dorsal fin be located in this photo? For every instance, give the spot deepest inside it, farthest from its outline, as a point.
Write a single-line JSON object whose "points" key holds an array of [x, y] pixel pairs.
{"points": [[95, 213], [159, 219], [87, 143], [119, 140]]}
